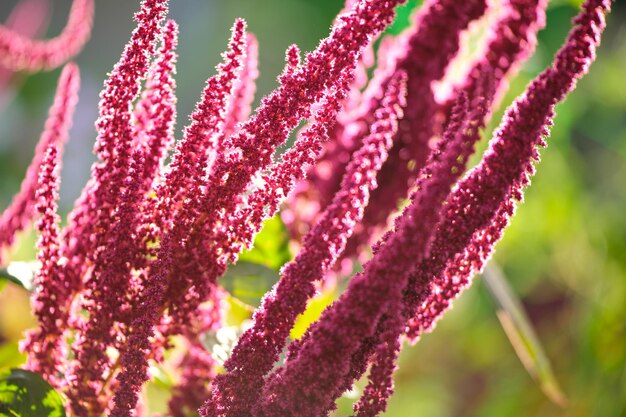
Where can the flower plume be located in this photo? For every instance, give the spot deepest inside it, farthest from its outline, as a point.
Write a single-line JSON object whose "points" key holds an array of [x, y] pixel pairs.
{"points": [[22, 209], [20, 53], [136, 271]]}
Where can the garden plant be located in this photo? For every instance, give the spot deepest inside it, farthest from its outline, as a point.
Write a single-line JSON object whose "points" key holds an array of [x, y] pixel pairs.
{"points": [[357, 163]]}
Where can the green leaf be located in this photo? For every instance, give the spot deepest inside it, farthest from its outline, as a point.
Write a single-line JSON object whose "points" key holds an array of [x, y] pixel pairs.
{"points": [[271, 245], [314, 309], [248, 282], [520, 332], [26, 394], [10, 355], [160, 377], [20, 273], [403, 18]]}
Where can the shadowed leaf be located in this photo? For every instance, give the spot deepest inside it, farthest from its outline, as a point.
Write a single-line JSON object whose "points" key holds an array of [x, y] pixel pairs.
{"points": [[248, 282]]}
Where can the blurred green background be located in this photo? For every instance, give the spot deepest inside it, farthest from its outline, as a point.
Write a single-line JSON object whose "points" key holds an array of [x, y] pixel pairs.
{"points": [[564, 253]]}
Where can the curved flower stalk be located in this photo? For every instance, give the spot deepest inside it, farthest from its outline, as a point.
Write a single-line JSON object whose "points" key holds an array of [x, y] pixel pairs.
{"points": [[178, 194], [155, 113], [240, 104], [22, 210], [325, 355], [113, 196], [43, 345], [236, 390], [28, 18], [20, 53], [485, 200], [423, 53], [486, 192]]}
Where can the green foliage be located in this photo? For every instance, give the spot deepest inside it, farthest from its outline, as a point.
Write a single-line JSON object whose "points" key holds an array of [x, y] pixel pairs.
{"points": [[521, 334], [26, 394], [403, 19], [257, 269], [10, 355], [314, 310], [271, 245], [248, 281]]}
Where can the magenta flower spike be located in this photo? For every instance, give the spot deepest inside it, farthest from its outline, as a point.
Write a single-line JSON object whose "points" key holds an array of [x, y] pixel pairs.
{"points": [[114, 144], [20, 53], [193, 389], [235, 391], [180, 192], [113, 196], [423, 52], [483, 202], [240, 105], [22, 210], [313, 376], [44, 343], [155, 113], [28, 18], [203, 139]]}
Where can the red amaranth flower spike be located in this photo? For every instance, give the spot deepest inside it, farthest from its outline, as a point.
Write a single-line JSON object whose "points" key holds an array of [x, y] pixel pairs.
{"points": [[45, 345], [203, 139], [20, 53], [193, 389], [155, 113], [93, 211], [179, 193], [479, 209], [423, 52], [105, 218], [240, 105], [313, 377], [238, 389], [28, 18], [154, 120], [22, 209]]}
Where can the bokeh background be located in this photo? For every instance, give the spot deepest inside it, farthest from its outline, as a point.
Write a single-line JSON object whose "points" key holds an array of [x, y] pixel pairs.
{"points": [[564, 254]]}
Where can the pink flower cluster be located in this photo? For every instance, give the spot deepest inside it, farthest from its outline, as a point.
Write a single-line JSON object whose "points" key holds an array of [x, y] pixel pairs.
{"points": [[147, 241]]}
